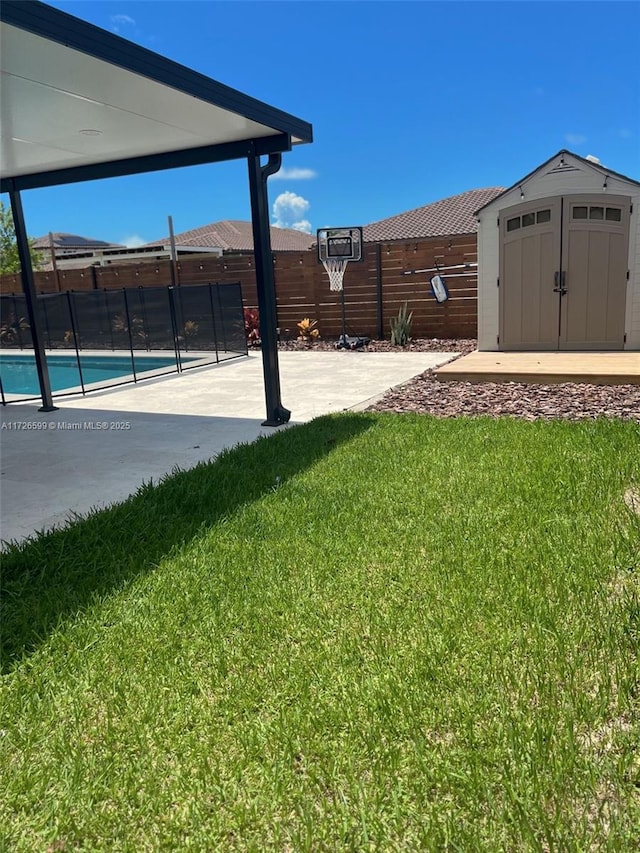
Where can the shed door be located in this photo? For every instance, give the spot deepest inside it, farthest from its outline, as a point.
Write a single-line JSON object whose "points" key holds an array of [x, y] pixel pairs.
{"points": [[595, 246], [530, 254], [563, 267]]}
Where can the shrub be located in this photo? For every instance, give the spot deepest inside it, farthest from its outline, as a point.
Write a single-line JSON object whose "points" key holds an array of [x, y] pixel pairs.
{"points": [[191, 329], [401, 326], [10, 330], [252, 326], [120, 326], [308, 330]]}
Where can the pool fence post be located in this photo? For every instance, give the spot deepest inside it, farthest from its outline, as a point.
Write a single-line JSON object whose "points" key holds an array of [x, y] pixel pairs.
{"points": [[174, 327], [16, 314], [213, 319], [46, 331], [54, 264], [128, 318], [75, 339], [109, 318]]}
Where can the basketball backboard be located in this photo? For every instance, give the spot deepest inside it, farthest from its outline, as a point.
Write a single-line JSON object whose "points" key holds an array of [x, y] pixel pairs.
{"points": [[339, 243]]}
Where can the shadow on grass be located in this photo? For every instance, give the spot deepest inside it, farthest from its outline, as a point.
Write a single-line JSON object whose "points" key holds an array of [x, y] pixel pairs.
{"points": [[58, 574]]}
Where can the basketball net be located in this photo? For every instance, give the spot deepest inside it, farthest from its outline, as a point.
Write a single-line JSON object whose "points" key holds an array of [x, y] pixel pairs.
{"points": [[335, 268]]}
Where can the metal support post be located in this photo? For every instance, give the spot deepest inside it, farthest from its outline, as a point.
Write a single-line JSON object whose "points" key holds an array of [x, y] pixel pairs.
{"points": [[276, 412], [29, 288]]}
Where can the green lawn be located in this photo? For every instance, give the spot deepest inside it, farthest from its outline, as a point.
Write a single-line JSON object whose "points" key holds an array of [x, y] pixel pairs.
{"points": [[370, 632]]}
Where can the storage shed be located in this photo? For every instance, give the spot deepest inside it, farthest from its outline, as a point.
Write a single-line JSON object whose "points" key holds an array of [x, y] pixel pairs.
{"points": [[559, 260]]}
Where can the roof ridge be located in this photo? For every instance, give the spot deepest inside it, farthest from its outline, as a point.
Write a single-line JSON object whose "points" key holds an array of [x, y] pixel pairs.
{"points": [[438, 201], [82, 241], [237, 235], [444, 217]]}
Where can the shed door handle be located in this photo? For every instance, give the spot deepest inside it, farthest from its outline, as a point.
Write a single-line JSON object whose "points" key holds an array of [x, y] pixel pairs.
{"points": [[559, 279]]}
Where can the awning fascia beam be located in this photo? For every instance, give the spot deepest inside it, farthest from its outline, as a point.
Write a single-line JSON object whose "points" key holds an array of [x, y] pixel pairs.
{"points": [[150, 163]]}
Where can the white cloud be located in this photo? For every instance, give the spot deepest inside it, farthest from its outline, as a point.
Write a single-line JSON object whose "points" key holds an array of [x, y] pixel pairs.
{"points": [[289, 211], [294, 174], [133, 241], [575, 138], [304, 225], [119, 20], [122, 19]]}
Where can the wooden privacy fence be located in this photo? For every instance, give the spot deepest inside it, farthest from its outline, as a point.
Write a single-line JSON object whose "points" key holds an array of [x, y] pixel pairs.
{"points": [[374, 289]]}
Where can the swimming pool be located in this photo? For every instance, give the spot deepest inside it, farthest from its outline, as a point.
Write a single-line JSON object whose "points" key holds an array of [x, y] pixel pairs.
{"points": [[19, 375]]}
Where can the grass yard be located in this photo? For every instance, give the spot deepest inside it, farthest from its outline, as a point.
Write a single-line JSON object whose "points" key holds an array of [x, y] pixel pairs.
{"points": [[367, 633]]}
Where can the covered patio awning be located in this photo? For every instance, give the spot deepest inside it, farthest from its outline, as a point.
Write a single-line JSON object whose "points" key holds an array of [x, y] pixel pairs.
{"points": [[78, 103]]}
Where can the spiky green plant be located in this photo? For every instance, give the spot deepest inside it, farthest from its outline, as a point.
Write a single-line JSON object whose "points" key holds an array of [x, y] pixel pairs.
{"points": [[401, 326]]}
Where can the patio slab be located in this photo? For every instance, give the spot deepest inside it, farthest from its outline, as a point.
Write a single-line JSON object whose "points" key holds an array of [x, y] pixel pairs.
{"points": [[593, 368], [98, 449]]}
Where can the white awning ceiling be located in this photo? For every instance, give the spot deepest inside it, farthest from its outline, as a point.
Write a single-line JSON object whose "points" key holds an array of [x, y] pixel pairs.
{"points": [[74, 98]]}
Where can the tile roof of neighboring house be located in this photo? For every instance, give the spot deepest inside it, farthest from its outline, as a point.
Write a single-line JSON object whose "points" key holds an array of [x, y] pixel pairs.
{"points": [[235, 235], [72, 241], [444, 218]]}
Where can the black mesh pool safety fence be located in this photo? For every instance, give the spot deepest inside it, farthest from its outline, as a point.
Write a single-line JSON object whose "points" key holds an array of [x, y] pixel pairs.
{"points": [[150, 331]]}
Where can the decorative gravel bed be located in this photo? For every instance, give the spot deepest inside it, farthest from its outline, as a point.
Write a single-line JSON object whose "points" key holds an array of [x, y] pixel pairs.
{"points": [[463, 346], [427, 395], [567, 400]]}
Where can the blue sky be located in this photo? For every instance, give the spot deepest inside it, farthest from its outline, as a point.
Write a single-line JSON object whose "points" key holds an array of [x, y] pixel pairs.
{"points": [[410, 102]]}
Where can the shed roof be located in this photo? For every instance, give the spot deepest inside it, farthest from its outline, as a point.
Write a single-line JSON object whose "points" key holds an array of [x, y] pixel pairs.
{"points": [[561, 166], [236, 235], [444, 218]]}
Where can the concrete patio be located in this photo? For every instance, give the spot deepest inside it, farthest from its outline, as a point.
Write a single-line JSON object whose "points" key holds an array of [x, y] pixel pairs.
{"points": [[99, 449]]}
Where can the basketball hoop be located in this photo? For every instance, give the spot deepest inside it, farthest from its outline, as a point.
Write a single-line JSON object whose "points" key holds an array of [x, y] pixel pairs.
{"points": [[335, 268], [336, 247]]}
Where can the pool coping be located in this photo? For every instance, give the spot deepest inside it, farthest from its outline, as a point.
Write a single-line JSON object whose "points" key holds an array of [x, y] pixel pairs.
{"points": [[206, 358]]}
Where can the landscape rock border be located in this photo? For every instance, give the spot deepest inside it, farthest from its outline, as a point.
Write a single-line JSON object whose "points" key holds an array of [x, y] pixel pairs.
{"points": [[424, 394]]}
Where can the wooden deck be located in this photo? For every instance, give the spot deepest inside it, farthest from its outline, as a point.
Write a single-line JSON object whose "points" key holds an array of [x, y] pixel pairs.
{"points": [[593, 368]]}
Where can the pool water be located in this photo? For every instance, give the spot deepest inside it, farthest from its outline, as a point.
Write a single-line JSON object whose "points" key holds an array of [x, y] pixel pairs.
{"points": [[19, 375]]}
